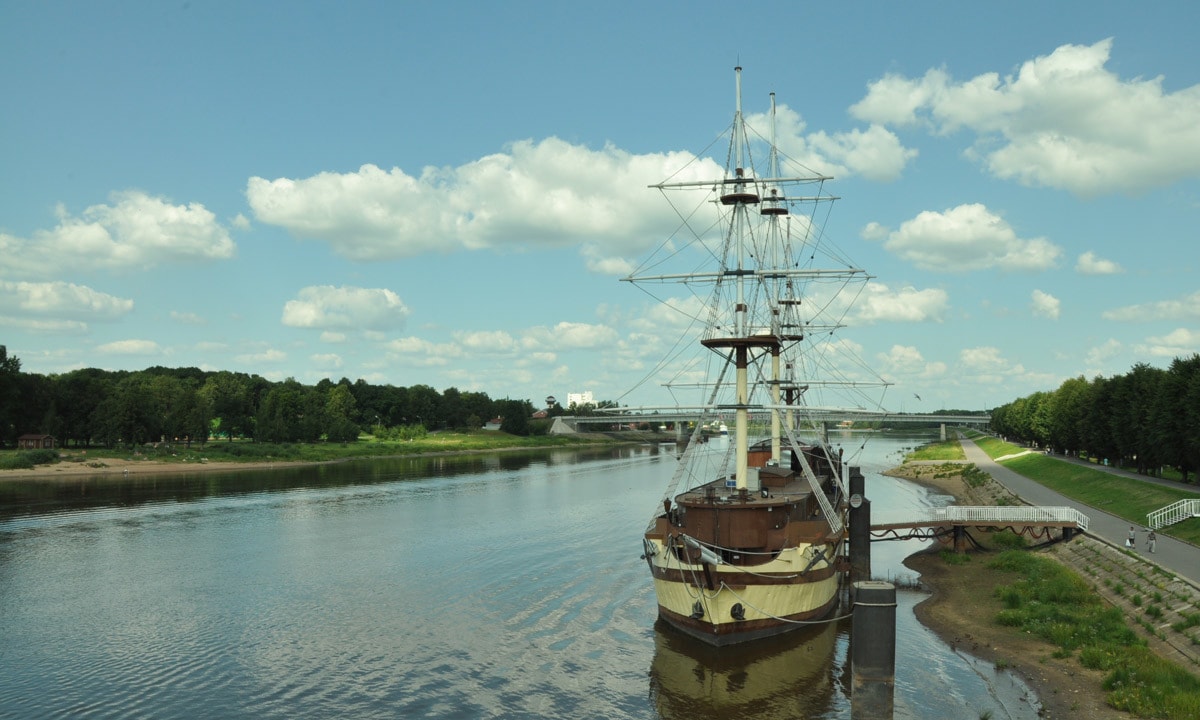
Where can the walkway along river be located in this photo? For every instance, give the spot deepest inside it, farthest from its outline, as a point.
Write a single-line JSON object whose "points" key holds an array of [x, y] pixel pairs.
{"points": [[448, 587]]}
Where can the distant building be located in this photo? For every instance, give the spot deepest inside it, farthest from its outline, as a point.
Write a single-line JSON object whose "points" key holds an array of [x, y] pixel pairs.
{"points": [[35, 442], [583, 398]]}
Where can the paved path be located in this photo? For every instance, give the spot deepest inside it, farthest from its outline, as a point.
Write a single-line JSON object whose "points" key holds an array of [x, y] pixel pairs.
{"points": [[1179, 557]]}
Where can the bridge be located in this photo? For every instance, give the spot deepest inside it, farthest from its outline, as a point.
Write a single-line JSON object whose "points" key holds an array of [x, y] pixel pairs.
{"points": [[820, 416], [947, 524]]}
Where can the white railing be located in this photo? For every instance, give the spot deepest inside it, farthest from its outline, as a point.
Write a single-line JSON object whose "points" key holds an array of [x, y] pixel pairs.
{"points": [[1173, 513], [1004, 514]]}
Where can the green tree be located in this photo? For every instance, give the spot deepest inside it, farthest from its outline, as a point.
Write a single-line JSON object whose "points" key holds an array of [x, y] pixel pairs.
{"points": [[229, 398], [10, 372], [515, 416], [340, 411]]}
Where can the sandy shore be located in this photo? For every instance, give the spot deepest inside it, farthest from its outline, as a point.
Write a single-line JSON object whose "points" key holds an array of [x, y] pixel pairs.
{"points": [[107, 467]]}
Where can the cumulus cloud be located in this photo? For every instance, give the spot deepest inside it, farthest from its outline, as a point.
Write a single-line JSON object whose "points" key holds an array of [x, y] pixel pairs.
{"points": [[134, 231], [1089, 264], [1045, 305], [882, 304], [1062, 120], [57, 307], [326, 361], [875, 153], [1107, 350], [487, 341], [1185, 308], [130, 347], [1177, 343], [569, 336], [187, 318], [326, 307], [536, 195], [906, 360], [988, 361], [423, 353], [271, 356], [968, 237]]}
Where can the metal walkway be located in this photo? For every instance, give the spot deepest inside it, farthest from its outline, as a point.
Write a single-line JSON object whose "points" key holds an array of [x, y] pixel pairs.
{"points": [[952, 521]]}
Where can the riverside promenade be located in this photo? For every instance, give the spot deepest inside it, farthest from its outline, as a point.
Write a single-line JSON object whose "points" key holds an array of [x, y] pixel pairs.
{"points": [[1179, 557]]}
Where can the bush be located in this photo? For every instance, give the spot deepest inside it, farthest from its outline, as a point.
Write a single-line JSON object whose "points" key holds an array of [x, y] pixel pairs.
{"points": [[27, 459]]}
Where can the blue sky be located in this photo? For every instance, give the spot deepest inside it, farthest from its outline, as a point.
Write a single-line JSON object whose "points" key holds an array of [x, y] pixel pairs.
{"points": [[448, 193]]}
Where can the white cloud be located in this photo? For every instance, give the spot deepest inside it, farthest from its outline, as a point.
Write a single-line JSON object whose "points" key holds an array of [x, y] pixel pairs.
{"points": [[906, 360], [487, 341], [882, 304], [423, 353], [130, 347], [874, 231], [1089, 264], [57, 307], [1177, 343], [266, 356], [875, 153], [537, 195], [328, 307], [187, 318], [1185, 308], [968, 237], [988, 361], [1045, 305], [135, 231], [569, 336], [326, 361], [1063, 120], [1097, 356], [54, 327]]}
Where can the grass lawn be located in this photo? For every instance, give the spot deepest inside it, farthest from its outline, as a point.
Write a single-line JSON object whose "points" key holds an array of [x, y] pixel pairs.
{"points": [[1123, 497]]}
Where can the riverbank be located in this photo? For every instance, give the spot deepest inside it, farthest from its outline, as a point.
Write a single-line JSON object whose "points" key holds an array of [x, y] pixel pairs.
{"points": [[78, 464], [964, 604], [962, 608]]}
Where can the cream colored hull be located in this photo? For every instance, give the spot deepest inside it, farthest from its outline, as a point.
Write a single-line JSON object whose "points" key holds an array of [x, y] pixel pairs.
{"points": [[729, 603]]}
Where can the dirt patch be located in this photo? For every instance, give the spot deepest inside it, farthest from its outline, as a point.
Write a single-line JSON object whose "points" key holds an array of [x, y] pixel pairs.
{"points": [[963, 605]]}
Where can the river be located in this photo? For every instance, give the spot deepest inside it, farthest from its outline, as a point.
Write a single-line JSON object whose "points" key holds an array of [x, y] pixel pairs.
{"points": [[506, 585]]}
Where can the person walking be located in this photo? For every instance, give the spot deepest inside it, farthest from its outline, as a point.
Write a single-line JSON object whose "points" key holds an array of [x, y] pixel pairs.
{"points": [[1151, 539], [1131, 541]]}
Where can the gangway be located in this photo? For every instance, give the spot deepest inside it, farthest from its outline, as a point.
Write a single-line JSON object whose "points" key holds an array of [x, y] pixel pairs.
{"points": [[953, 521], [1173, 513]]}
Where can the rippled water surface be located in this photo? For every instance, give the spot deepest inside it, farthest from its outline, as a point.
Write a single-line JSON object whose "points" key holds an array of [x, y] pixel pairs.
{"points": [[483, 586]]}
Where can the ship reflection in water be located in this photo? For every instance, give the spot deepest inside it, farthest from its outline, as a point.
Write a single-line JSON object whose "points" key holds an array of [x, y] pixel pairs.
{"points": [[787, 676]]}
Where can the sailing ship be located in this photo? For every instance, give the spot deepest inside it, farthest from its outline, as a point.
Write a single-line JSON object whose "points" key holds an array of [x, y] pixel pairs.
{"points": [[750, 539]]}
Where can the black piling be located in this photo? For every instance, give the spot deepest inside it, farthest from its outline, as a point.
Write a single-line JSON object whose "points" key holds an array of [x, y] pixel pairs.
{"points": [[873, 650], [860, 528]]}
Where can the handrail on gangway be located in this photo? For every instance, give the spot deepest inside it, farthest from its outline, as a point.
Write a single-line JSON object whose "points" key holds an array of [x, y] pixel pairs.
{"points": [[994, 515], [1173, 513]]}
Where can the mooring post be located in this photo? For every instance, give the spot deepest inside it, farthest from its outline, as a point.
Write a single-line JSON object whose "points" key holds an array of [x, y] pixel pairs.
{"points": [[860, 528], [873, 650]]}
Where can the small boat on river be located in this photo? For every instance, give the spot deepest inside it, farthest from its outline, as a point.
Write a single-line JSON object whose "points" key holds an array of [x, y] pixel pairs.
{"points": [[750, 538]]}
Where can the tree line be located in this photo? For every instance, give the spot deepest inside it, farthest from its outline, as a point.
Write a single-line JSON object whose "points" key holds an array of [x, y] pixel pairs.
{"points": [[1148, 418], [111, 408]]}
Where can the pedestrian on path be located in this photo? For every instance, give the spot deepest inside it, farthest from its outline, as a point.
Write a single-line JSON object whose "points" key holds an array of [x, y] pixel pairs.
{"points": [[1150, 540], [1131, 541]]}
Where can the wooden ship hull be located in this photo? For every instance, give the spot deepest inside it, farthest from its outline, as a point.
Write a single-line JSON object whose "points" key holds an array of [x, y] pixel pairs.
{"points": [[737, 564]]}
